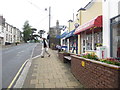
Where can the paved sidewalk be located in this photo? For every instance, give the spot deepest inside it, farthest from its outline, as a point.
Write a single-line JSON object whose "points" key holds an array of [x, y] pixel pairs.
{"points": [[50, 72]]}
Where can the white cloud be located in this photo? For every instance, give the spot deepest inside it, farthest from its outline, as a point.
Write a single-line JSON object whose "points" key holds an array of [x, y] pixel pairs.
{"points": [[17, 11]]}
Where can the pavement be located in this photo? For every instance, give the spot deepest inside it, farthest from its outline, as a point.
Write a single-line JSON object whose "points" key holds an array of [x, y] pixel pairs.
{"points": [[50, 72]]}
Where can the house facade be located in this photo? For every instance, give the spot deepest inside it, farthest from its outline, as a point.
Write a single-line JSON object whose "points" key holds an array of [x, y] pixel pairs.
{"points": [[2, 29], [8, 33]]}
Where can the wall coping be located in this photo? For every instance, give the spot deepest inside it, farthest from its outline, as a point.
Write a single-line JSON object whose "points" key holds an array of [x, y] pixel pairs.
{"points": [[98, 62]]}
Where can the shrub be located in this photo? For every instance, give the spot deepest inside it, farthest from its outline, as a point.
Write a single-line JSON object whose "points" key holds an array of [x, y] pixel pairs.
{"points": [[90, 56], [111, 60], [114, 61]]}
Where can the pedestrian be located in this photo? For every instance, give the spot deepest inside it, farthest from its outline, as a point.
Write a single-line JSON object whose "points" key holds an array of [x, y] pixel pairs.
{"points": [[45, 47], [59, 48], [16, 43]]}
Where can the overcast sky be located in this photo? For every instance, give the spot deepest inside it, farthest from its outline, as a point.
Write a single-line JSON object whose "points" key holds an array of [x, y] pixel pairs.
{"points": [[16, 12]]}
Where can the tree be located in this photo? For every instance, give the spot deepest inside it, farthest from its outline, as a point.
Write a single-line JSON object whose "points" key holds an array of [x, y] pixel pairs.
{"points": [[27, 31]]}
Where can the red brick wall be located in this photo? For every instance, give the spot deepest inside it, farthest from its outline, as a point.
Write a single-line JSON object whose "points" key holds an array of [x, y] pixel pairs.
{"points": [[61, 56], [95, 75]]}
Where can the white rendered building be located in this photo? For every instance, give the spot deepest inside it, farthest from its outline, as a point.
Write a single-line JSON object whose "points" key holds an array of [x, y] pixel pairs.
{"points": [[111, 27]]}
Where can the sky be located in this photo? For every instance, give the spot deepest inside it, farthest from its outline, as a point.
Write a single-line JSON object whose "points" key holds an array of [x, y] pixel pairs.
{"points": [[16, 12]]}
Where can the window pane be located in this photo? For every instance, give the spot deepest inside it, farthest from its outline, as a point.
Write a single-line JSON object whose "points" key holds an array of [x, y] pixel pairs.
{"points": [[116, 40]]}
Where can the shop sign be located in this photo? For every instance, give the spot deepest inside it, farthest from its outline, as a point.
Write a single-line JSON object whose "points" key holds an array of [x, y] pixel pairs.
{"points": [[83, 63]]}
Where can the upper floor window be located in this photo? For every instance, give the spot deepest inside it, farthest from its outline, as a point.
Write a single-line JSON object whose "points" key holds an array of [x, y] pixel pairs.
{"points": [[2, 29], [6, 37], [11, 30], [6, 27]]}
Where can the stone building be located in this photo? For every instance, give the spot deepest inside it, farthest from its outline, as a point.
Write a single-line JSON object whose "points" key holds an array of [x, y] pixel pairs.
{"points": [[54, 31]]}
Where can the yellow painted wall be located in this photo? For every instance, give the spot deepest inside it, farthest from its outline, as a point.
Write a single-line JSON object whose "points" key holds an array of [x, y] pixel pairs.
{"points": [[94, 9], [71, 26]]}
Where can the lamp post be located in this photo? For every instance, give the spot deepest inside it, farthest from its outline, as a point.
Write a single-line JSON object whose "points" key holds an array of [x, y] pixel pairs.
{"points": [[49, 22], [49, 16]]}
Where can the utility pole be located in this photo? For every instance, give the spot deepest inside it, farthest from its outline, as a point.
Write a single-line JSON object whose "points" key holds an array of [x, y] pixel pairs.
{"points": [[49, 17], [49, 23]]}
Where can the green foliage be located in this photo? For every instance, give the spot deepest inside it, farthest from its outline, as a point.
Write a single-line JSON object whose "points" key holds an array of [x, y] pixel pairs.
{"points": [[111, 61], [90, 56], [26, 31]]}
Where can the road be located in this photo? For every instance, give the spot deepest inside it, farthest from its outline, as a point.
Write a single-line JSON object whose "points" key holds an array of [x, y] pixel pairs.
{"points": [[12, 60]]}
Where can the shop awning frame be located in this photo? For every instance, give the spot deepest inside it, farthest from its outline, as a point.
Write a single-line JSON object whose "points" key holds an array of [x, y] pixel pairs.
{"points": [[58, 36], [96, 22], [63, 35], [70, 34]]}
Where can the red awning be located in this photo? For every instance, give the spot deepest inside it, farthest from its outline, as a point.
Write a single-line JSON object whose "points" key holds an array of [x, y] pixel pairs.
{"points": [[96, 22]]}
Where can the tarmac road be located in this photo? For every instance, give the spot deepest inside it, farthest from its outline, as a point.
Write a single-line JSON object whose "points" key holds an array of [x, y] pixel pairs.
{"points": [[13, 58]]}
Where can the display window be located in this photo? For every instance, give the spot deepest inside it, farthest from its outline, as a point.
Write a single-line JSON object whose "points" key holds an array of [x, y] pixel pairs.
{"points": [[116, 40], [91, 40], [115, 36], [98, 40], [73, 44]]}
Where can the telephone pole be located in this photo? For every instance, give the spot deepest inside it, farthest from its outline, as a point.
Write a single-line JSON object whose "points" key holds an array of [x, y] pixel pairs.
{"points": [[49, 23]]}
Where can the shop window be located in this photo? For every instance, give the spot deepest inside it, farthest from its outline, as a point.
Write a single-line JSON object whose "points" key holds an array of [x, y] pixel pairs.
{"points": [[83, 50], [71, 43], [83, 42], [98, 39], [89, 42], [116, 40]]}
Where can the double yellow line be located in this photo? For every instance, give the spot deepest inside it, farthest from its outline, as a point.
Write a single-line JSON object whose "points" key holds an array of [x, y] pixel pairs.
{"points": [[18, 73]]}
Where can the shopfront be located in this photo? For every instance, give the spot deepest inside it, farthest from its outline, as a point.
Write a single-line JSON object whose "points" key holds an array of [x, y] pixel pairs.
{"points": [[115, 36], [64, 42], [90, 35], [72, 39]]}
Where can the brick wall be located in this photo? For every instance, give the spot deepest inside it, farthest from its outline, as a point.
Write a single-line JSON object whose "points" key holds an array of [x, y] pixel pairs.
{"points": [[61, 56], [95, 74]]}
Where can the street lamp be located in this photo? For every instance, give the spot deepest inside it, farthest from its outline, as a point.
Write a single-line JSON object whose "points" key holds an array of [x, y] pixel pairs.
{"points": [[49, 23], [49, 16]]}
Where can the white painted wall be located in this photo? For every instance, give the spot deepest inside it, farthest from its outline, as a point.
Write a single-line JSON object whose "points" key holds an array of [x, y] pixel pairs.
{"points": [[110, 10], [1, 31]]}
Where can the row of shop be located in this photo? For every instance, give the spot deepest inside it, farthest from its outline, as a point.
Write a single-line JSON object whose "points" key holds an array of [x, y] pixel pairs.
{"points": [[90, 37], [98, 32]]}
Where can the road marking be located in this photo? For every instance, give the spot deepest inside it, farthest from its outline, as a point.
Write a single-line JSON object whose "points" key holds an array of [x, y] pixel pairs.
{"points": [[11, 84], [36, 56], [21, 51], [17, 74]]}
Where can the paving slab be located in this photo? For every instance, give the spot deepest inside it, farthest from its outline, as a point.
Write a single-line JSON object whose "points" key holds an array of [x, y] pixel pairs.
{"points": [[50, 72]]}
